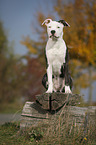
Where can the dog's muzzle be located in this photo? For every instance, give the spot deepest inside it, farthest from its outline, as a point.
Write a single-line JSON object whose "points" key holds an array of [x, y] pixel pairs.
{"points": [[53, 34]]}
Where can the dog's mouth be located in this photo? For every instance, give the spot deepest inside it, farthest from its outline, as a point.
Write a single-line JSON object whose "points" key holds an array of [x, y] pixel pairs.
{"points": [[53, 36]]}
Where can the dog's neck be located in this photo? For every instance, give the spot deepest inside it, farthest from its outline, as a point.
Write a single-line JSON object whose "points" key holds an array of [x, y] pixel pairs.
{"points": [[55, 40], [54, 43]]}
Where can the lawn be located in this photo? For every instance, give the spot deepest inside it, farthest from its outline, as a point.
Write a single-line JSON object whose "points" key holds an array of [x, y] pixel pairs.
{"points": [[46, 134]]}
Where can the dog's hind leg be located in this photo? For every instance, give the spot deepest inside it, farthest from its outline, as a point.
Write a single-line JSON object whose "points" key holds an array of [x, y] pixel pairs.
{"points": [[67, 81], [45, 81]]}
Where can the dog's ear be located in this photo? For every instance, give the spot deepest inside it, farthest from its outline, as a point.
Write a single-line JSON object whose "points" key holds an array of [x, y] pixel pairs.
{"points": [[47, 21], [64, 23]]}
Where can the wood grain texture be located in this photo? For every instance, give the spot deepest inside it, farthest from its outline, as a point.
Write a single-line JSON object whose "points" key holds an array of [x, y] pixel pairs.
{"points": [[62, 106]]}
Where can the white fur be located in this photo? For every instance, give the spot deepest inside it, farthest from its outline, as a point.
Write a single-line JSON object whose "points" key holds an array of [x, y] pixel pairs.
{"points": [[67, 89], [55, 53]]}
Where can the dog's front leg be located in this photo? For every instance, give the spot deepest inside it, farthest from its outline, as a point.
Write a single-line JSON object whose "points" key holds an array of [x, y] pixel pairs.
{"points": [[50, 84]]}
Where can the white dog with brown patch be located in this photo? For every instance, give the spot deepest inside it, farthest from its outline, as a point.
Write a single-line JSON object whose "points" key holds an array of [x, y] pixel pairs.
{"points": [[57, 77]]}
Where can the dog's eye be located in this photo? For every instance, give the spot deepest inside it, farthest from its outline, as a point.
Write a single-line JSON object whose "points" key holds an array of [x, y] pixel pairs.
{"points": [[49, 26], [58, 27]]}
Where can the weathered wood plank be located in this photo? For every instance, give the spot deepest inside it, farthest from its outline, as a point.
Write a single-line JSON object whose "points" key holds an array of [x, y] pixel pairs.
{"points": [[37, 112], [53, 101], [34, 115]]}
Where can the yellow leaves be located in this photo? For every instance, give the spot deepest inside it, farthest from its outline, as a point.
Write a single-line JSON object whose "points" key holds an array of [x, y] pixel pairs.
{"points": [[85, 138], [84, 52], [29, 46], [32, 50], [28, 43]]}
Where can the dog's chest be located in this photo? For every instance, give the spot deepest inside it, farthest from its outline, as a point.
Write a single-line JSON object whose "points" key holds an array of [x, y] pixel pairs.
{"points": [[55, 52], [55, 55]]}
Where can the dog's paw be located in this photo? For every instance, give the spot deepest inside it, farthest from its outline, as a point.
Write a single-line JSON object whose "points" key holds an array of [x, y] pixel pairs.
{"points": [[50, 90], [67, 90]]}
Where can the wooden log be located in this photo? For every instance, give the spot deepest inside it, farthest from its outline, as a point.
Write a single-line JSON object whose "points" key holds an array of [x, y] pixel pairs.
{"points": [[42, 111], [54, 101], [32, 114]]}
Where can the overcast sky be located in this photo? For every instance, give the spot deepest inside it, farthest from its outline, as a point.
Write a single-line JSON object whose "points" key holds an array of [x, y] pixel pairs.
{"points": [[18, 16]]}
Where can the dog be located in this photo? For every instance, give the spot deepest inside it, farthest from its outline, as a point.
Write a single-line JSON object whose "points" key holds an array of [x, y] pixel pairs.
{"points": [[57, 78]]}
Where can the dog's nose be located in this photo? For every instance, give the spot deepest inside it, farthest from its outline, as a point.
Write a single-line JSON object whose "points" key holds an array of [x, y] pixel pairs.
{"points": [[53, 32]]}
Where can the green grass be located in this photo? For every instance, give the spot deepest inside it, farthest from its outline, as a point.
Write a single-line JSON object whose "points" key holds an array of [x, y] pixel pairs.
{"points": [[10, 135], [60, 133]]}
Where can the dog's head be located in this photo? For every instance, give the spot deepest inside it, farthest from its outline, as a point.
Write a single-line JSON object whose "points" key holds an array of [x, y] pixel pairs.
{"points": [[55, 28]]}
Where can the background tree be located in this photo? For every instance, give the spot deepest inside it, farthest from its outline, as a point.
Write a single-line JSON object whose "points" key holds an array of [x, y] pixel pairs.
{"points": [[13, 76]]}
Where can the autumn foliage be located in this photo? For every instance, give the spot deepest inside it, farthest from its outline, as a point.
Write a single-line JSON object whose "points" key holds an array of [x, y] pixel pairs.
{"points": [[81, 42]]}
